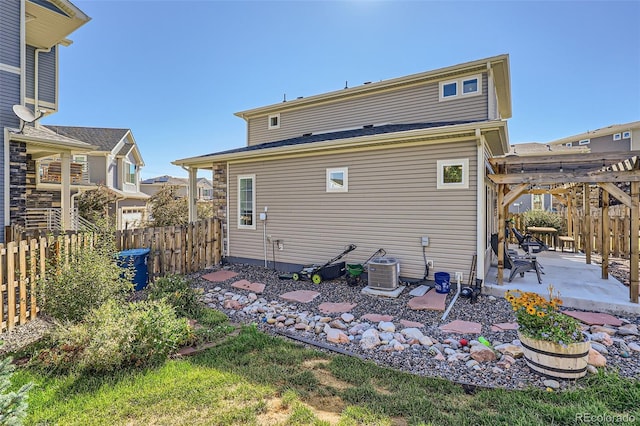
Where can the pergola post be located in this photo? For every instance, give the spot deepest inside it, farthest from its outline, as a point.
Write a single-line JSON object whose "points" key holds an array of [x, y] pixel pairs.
{"points": [[501, 234], [634, 284], [569, 210], [586, 214], [605, 235]]}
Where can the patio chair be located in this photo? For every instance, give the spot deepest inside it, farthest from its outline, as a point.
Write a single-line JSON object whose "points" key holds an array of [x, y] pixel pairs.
{"points": [[517, 265], [528, 242]]}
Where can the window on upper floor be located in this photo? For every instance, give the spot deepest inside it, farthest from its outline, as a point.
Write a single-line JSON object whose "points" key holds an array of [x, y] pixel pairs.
{"points": [[584, 142], [617, 136], [626, 135], [129, 173], [274, 121], [246, 202], [461, 87]]}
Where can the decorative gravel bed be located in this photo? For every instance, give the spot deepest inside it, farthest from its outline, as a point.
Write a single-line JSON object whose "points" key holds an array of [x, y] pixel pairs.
{"points": [[416, 359]]}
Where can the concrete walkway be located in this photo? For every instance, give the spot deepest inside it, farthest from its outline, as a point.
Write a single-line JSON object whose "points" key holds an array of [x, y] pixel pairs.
{"points": [[580, 285]]}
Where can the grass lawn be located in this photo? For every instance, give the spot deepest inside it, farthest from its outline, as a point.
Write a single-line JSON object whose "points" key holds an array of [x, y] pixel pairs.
{"points": [[253, 378]]}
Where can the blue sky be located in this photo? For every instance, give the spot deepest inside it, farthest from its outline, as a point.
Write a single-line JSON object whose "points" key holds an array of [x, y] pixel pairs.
{"points": [[175, 71]]}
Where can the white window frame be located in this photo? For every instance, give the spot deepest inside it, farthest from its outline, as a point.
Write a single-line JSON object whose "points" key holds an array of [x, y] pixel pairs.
{"points": [[127, 169], [568, 144], [464, 184], [459, 82], [617, 136], [626, 135], [345, 185], [584, 142], [533, 203], [270, 119], [253, 202]]}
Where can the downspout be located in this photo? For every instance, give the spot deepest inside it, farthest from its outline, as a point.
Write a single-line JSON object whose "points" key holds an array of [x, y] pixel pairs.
{"points": [[36, 81], [482, 208]]}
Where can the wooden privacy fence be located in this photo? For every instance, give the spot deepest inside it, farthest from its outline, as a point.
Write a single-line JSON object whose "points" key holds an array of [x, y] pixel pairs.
{"points": [[176, 249], [23, 264], [619, 232]]}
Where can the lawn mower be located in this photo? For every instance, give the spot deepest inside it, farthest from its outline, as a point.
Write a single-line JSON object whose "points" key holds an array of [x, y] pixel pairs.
{"points": [[328, 271], [355, 270]]}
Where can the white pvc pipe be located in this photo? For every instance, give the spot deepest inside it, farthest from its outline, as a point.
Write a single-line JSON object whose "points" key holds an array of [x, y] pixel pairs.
{"points": [[455, 297]]}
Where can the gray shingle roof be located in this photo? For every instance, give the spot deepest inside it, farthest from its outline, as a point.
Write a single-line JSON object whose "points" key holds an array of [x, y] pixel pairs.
{"points": [[46, 134], [343, 134], [105, 139]]}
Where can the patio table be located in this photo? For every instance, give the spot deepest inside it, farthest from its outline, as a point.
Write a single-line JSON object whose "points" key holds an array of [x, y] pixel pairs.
{"points": [[544, 230]]}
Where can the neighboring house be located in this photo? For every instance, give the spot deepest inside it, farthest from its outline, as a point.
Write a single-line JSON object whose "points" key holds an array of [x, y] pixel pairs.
{"points": [[31, 33], [204, 186], [617, 137], [383, 164], [115, 162]]}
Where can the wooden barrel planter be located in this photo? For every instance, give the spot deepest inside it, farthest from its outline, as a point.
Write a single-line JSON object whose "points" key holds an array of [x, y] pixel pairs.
{"points": [[552, 359]]}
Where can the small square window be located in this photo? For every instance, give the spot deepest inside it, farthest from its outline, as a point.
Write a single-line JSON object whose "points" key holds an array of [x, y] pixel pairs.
{"points": [[617, 136], [449, 89], [453, 174], [338, 179], [470, 86], [584, 142], [569, 144], [274, 121], [626, 135]]}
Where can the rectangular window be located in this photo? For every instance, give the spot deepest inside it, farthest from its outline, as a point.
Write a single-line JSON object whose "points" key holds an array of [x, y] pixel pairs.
{"points": [[338, 179], [584, 142], [450, 89], [537, 202], [246, 202], [130, 173], [569, 144], [453, 174], [470, 86], [617, 136], [626, 135], [274, 121]]}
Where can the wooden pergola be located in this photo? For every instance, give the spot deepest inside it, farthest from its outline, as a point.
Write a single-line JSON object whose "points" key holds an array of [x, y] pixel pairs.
{"points": [[563, 175]]}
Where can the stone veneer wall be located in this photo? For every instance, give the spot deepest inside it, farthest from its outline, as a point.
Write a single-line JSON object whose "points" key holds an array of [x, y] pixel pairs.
{"points": [[220, 192], [17, 183]]}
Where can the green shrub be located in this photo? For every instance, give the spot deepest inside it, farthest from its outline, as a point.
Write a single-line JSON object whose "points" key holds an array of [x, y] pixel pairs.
{"points": [[545, 219], [176, 290], [117, 335], [69, 292], [13, 404]]}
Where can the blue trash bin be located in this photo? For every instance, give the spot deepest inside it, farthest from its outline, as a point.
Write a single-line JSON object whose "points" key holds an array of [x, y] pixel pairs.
{"points": [[442, 282], [137, 258]]}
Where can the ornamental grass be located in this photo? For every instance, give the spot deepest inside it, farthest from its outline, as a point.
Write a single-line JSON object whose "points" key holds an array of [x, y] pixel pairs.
{"points": [[540, 318]]}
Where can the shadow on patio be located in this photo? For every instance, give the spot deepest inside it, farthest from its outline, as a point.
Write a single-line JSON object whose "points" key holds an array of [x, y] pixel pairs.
{"points": [[580, 285]]}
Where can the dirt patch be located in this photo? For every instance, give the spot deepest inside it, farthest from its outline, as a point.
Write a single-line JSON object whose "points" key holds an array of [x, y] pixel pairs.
{"points": [[324, 376], [275, 413], [327, 409]]}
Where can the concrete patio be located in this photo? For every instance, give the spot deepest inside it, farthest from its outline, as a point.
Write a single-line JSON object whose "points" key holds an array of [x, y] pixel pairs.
{"points": [[580, 285]]}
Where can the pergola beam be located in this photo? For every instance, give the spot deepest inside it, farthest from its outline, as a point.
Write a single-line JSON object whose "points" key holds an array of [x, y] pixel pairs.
{"points": [[573, 177], [618, 193]]}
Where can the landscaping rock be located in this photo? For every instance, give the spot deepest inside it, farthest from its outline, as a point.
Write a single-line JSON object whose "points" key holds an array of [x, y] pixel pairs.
{"points": [[596, 358], [482, 353]]}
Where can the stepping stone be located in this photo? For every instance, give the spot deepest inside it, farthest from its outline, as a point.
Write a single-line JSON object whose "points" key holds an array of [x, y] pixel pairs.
{"points": [[411, 324], [333, 308], [595, 318], [462, 327], [432, 301], [504, 326], [219, 276], [301, 296], [257, 288], [376, 317]]}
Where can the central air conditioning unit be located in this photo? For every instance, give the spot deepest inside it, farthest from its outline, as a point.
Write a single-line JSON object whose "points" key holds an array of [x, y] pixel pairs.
{"points": [[383, 273]]}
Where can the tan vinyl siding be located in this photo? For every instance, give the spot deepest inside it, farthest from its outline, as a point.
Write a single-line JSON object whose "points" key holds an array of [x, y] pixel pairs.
{"points": [[418, 104], [392, 201]]}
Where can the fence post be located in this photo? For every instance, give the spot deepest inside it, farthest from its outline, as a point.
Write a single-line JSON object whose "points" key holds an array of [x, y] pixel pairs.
{"points": [[11, 285]]}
